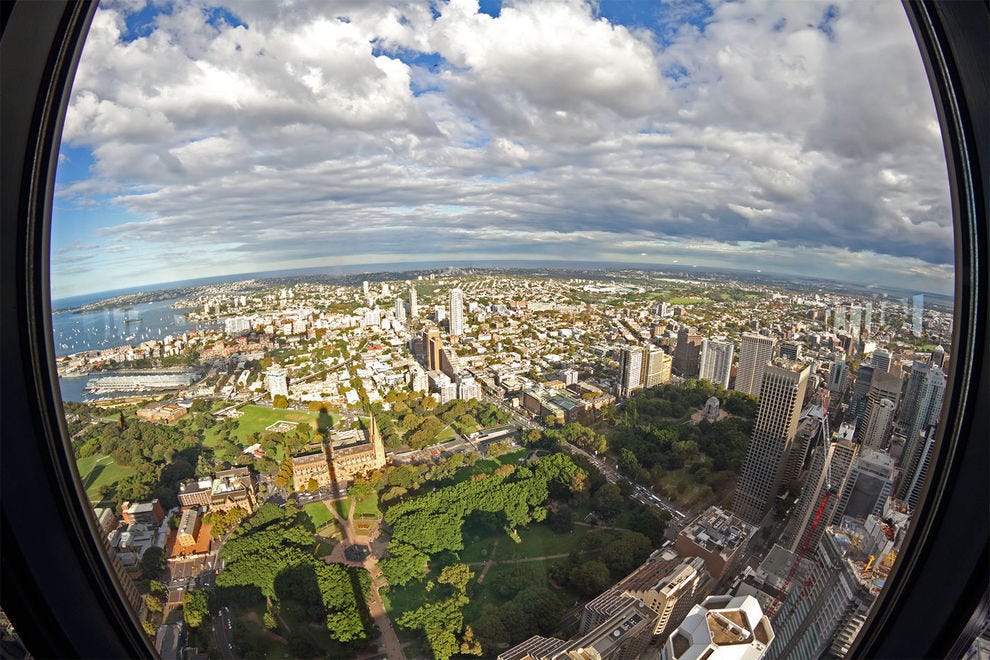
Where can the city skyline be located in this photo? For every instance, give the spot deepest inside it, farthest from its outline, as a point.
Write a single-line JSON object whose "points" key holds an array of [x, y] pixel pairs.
{"points": [[256, 139]]}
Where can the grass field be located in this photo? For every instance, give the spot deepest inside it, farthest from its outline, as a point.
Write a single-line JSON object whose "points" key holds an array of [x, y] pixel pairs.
{"points": [[97, 471], [688, 301], [318, 513], [257, 418], [367, 506], [537, 541]]}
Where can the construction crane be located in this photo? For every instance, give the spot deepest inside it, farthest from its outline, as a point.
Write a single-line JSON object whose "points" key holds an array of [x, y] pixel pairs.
{"points": [[820, 413]]}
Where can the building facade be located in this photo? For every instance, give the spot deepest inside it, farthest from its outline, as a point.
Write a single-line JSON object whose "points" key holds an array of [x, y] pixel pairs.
{"points": [[755, 351], [716, 361], [760, 479]]}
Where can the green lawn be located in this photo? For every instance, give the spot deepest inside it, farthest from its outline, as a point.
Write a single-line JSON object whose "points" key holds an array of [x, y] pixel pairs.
{"points": [[343, 507], [537, 541], [97, 471], [512, 457], [367, 506], [318, 513], [258, 418], [688, 301]]}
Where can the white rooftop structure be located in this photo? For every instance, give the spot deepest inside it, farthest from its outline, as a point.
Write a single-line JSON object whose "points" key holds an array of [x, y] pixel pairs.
{"points": [[721, 628]]}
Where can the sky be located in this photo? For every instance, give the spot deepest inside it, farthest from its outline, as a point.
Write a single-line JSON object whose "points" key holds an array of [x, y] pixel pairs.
{"points": [[204, 139]]}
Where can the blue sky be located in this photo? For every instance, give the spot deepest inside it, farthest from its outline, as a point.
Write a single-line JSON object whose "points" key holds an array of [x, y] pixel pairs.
{"points": [[210, 139]]}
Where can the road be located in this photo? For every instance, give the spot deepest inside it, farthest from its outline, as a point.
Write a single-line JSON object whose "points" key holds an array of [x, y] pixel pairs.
{"points": [[223, 635]]}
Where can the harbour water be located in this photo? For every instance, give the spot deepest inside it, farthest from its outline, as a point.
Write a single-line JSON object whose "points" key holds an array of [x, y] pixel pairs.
{"points": [[113, 326], [116, 326]]}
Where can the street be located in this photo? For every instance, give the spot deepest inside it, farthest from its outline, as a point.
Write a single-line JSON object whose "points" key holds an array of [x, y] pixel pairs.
{"points": [[223, 634]]}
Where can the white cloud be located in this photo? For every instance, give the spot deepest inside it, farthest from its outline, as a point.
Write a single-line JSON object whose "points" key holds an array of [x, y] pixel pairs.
{"points": [[320, 131]]}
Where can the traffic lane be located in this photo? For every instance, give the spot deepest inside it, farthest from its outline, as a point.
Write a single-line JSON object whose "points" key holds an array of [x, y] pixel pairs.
{"points": [[223, 633]]}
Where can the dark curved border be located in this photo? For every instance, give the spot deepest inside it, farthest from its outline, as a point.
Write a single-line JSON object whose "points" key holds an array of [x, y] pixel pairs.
{"points": [[54, 579], [942, 573], [57, 587]]}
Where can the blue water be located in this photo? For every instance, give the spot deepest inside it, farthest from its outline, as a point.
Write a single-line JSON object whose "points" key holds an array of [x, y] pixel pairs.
{"points": [[105, 328]]}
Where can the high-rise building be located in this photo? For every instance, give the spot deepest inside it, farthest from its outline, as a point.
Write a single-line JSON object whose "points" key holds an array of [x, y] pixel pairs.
{"points": [[657, 368], [938, 357], [761, 476], [922, 403], [820, 600], [838, 458], [883, 385], [275, 381], [870, 483], [720, 628], [687, 352], [400, 310], [385, 290], [754, 354], [860, 390], [413, 305], [838, 374], [631, 369], [433, 345], [881, 360], [716, 361], [791, 350], [456, 314], [365, 286], [915, 469], [878, 425]]}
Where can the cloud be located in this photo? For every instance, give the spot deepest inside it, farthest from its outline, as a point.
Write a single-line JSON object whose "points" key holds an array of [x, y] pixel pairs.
{"points": [[302, 133]]}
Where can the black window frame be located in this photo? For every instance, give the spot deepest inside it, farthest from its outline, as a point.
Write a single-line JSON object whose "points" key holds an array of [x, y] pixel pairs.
{"points": [[55, 582]]}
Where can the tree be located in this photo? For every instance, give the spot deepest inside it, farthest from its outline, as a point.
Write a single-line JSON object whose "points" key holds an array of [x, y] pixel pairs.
{"points": [[403, 563], [443, 643], [269, 620], [195, 608], [152, 603], [360, 490], [153, 562], [284, 476], [470, 645], [457, 576], [280, 401], [312, 485]]}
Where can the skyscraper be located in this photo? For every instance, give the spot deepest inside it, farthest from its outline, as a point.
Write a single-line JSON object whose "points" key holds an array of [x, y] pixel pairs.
{"points": [[883, 385], [456, 314], [791, 350], [657, 368], [870, 482], [722, 627], [413, 306], [433, 345], [915, 468], [716, 361], [838, 457], [631, 369], [814, 609], [781, 395], [922, 399], [754, 353], [838, 374], [400, 310], [881, 359], [860, 390], [878, 425], [686, 352], [276, 381]]}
